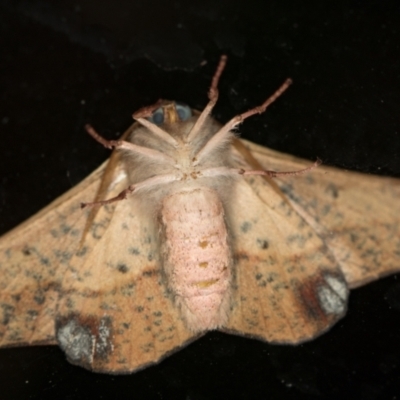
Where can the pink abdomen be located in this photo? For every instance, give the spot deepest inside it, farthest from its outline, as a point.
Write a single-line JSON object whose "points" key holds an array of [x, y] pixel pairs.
{"points": [[197, 258]]}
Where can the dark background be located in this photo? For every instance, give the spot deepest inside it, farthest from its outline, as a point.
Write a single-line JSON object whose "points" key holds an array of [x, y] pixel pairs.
{"points": [[65, 63]]}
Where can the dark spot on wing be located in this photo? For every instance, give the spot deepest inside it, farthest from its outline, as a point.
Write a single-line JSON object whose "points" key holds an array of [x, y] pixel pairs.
{"points": [[128, 289], [262, 244], [310, 179], [16, 297], [150, 273], [240, 256], [70, 303], [7, 313], [325, 210], [82, 251], [44, 261], [26, 251], [32, 314], [299, 239], [332, 190], [97, 228], [134, 250], [123, 268], [63, 256], [39, 297], [245, 227], [147, 347], [75, 232], [62, 230]]}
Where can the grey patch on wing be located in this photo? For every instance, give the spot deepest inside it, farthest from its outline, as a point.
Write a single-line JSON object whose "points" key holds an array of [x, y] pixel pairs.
{"points": [[86, 340], [324, 296], [77, 341], [104, 344], [333, 295]]}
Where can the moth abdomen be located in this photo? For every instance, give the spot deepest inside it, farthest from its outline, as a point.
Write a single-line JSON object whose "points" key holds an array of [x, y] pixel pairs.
{"points": [[197, 257]]}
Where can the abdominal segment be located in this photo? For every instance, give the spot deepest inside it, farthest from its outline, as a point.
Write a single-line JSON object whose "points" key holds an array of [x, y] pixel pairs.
{"points": [[196, 257]]}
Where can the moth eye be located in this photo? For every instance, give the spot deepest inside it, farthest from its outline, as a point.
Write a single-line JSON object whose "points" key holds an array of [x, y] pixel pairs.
{"points": [[184, 112], [157, 117]]}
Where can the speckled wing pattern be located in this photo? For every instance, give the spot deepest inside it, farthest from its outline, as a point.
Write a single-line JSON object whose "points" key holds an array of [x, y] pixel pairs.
{"points": [[115, 314], [33, 259], [357, 215], [287, 287], [301, 242], [89, 280]]}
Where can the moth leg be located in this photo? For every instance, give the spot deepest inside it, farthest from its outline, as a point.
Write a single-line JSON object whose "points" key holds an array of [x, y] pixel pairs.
{"points": [[212, 97], [156, 130], [134, 148], [225, 134], [274, 174], [209, 172], [146, 184]]}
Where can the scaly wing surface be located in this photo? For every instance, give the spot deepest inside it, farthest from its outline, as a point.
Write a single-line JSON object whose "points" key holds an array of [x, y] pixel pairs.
{"points": [[357, 215]]}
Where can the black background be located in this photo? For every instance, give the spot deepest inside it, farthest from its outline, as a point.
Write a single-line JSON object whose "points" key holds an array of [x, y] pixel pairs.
{"points": [[65, 63]]}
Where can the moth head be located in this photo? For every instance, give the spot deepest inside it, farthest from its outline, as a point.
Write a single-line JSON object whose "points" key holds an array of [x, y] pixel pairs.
{"points": [[170, 112]]}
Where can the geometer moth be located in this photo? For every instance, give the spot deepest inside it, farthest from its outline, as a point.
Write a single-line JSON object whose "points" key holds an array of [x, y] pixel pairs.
{"points": [[190, 229]]}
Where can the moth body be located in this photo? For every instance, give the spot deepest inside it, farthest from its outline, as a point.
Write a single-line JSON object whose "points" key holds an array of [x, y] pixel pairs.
{"points": [[189, 215], [197, 258]]}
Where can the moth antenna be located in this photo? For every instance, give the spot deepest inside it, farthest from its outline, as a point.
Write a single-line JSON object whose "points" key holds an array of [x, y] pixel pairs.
{"points": [[212, 96], [134, 148], [140, 116], [146, 111], [224, 133], [146, 184]]}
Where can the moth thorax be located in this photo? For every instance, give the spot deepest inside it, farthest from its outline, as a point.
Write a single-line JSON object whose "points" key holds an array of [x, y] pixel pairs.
{"points": [[197, 257]]}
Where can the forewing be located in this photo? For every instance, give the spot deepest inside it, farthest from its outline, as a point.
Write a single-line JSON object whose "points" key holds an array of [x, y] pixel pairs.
{"points": [[33, 258], [288, 287], [115, 314], [357, 215]]}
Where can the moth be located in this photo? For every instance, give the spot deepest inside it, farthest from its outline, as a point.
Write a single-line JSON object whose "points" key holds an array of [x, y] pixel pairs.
{"points": [[186, 229]]}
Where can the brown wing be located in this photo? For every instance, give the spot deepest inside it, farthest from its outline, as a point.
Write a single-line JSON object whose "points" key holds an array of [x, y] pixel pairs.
{"points": [[357, 215], [33, 258], [115, 314], [288, 287]]}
